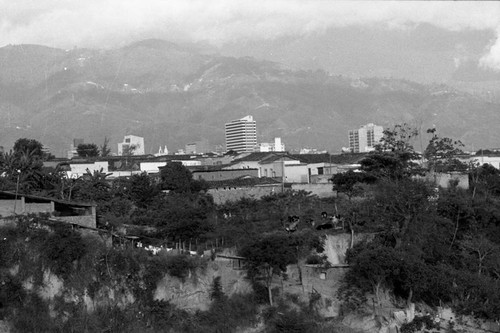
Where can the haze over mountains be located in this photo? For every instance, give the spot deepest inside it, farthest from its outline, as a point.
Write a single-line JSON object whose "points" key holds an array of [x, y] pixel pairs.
{"points": [[174, 94]]}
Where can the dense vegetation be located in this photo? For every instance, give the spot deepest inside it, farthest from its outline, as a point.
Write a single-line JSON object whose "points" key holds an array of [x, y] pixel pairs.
{"points": [[430, 244], [435, 245]]}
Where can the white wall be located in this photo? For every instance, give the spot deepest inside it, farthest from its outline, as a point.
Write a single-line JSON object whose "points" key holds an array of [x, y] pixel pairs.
{"points": [[151, 167], [296, 173], [79, 169], [493, 160]]}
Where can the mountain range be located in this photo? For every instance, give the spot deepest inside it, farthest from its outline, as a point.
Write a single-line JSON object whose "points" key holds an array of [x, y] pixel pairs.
{"points": [[174, 94]]}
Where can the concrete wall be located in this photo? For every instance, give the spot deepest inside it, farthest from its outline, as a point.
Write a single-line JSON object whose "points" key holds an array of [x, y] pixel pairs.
{"points": [[7, 207], [322, 190], [34, 208], [297, 173], [83, 220], [222, 196], [443, 179]]}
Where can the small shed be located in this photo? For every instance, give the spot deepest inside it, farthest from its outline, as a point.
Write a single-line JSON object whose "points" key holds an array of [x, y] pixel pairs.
{"points": [[80, 213]]}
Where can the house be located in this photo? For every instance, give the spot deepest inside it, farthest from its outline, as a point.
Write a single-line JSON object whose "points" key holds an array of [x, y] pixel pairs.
{"points": [[273, 165], [250, 161], [79, 213], [212, 174], [321, 167]]}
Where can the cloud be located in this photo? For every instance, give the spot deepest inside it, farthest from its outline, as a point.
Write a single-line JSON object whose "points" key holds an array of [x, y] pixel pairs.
{"points": [[492, 58], [97, 23]]}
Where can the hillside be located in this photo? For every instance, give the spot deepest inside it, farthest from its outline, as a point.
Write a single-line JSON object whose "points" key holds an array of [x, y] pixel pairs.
{"points": [[173, 94]]}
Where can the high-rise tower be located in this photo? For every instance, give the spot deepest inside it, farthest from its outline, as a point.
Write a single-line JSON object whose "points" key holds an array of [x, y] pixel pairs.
{"points": [[365, 138], [241, 135]]}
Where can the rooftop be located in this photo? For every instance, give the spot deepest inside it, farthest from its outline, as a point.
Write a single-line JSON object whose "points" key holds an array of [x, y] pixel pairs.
{"points": [[243, 181]]}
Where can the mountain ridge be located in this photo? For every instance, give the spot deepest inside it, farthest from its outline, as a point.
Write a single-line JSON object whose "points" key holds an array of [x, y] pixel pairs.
{"points": [[174, 95]]}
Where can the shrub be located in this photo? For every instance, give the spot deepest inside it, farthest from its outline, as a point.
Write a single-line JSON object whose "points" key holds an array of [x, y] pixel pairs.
{"points": [[62, 248], [181, 265], [418, 323]]}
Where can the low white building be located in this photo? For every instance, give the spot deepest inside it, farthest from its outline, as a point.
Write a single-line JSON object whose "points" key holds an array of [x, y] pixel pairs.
{"points": [[151, 167], [79, 169], [277, 145]]}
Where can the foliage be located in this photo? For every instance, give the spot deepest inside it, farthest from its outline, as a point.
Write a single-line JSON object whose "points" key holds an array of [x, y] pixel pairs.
{"points": [[485, 180], [289, 315], [29, 146], [142, 190], [175, 177], [87, 150], [105, 149], [394, 158], [64, 247], [181, 266], [418, 324], [441, 153], [348, 183], [269, 255]]}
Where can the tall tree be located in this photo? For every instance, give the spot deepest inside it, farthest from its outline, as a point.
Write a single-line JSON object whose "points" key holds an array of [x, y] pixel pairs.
{"points": [[268, 257], [395, 157], [177, 178], [105, 149], [442, 153], [29, 146], [348, 183]]}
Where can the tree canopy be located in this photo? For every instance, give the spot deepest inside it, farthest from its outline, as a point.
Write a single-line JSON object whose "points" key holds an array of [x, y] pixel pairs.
{"points": [[176, 177]]}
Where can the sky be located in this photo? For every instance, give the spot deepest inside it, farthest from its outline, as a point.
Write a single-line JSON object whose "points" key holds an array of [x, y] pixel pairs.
{"points": [[111, 23]]}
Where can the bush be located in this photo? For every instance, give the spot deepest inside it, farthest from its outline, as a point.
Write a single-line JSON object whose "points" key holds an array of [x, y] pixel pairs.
{"points": [[418, 323], [63, 247], [182, 265]]}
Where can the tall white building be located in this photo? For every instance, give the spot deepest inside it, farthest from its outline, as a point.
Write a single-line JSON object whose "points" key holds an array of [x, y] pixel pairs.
{"points": [[241, 135], [131, 145], [365, 138]]}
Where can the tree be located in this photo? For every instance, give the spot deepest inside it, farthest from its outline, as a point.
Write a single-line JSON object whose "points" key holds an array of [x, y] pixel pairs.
{"points": [[485, 179], [105, 149], [480, 247], [93, 186], [267, 257], [175, 177], [129, 150], [371, 267], [87, 150], [441, 153], [404, 207], [142, 189], [394, 157], [348, 183], [29, 146]]}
